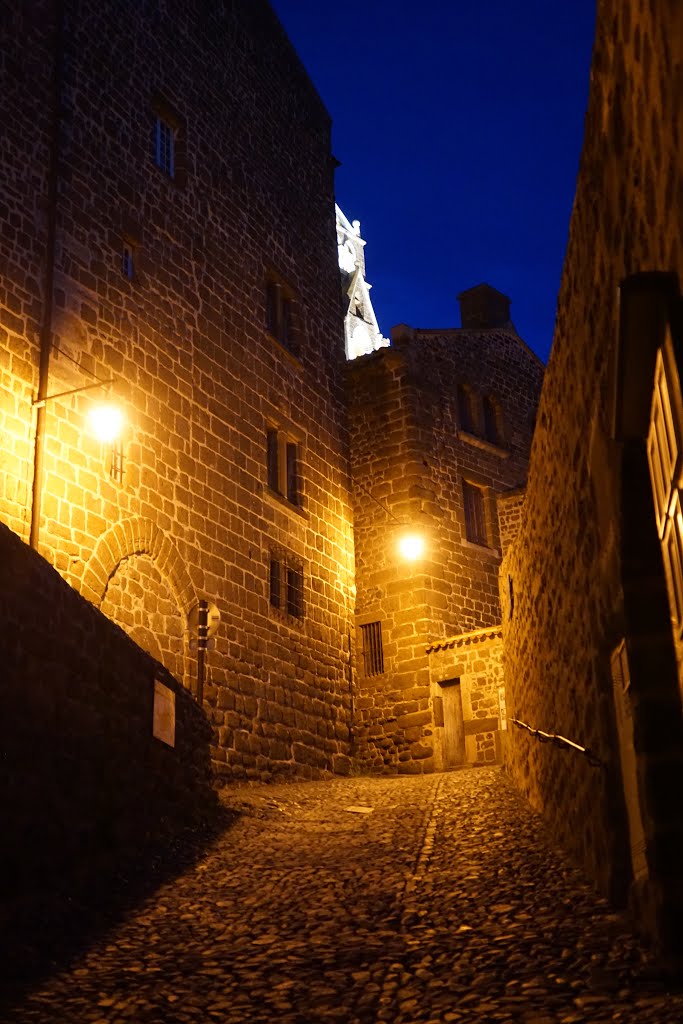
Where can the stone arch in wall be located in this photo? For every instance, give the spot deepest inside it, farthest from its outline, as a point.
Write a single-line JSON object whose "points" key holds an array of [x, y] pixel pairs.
{"points": [[137, 578]]}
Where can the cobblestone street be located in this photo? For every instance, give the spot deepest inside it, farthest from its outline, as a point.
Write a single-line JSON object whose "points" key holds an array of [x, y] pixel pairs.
{"points": [[402, 900]]}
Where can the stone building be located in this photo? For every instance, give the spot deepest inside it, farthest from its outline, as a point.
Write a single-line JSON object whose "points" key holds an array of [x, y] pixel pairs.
{"points": [[592, 639], [167, 228], [441, 423]]}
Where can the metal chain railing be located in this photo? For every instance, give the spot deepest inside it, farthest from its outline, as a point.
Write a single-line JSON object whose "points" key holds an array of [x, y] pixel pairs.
{"points": [[561, 741]]}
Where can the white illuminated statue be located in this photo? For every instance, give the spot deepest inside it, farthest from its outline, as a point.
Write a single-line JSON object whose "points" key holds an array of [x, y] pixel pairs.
{"points": [[360, 323]]}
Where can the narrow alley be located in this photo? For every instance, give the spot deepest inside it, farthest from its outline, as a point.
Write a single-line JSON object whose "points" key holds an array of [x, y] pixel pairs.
{"points": [[430, 899]]}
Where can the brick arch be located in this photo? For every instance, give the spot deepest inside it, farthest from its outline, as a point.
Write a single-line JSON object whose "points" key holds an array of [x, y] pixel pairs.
{"points": [[136, 536]]}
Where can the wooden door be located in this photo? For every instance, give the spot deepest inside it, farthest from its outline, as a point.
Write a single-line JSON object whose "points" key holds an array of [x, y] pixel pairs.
{"points": [[453, 725], [665, 457], [621, 680]]}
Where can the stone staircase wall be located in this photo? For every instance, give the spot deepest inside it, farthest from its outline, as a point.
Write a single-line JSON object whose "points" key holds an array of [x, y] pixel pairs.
{"points": [[86, 787]]}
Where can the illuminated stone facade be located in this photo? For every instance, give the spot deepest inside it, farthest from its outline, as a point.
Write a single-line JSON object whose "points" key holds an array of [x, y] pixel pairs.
{"points": [[167, 221], [441, 423], [585, 571]]}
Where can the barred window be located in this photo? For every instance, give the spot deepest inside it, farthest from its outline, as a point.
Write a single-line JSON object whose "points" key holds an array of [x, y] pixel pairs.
{"points": [[116, 461], [475, 513], [275, 583], [295, 592], [373, 653], [286, 584]]}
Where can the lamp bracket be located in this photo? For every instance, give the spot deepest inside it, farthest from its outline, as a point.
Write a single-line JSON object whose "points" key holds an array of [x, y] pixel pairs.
{"points": [[39, 403]]}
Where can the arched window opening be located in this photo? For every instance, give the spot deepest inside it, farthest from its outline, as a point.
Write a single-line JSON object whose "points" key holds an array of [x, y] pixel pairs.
{"points": [[493, 431], [466, 412]]}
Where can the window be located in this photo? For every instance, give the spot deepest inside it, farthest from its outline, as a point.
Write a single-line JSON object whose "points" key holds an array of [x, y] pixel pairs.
{"points": [[164, 156], [282, 465], [128, 261], [275, 582], [169, 141], [466, 415], [286, 584], [492, 421], [475, 514], [295, 592], [116, 461], [373, 653], [281, 321]]}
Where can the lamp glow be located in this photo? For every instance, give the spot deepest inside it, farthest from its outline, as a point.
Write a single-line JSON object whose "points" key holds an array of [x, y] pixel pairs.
{"points": [[411, 546], [106, 422]]}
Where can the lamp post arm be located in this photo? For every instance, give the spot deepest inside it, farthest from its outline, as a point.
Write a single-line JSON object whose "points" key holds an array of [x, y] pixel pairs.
{"points": [[40, 402]]}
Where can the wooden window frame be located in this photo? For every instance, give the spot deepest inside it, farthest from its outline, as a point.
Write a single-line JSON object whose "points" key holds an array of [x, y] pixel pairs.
{"points": [[283, 466]]}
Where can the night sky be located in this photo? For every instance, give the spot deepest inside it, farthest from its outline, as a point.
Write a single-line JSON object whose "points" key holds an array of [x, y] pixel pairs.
{"points": [[458, 125]]}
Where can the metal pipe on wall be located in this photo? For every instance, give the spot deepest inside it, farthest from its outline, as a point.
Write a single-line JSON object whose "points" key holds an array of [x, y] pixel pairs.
{"points": [[48, 288]]}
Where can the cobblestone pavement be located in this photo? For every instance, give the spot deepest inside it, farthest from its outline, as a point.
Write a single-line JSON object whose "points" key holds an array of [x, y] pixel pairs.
{"points": [[443, 903]]}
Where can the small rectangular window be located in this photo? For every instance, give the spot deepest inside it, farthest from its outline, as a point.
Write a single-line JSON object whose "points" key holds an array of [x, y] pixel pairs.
{"points": [[466, 415], [475, 513], [128, 261], [373, 652], [282, 466], [292, 473], [492, 428], [116, 461], [165, 146], [273, 460], [275, 582], [280, 315], [286, 584], [295, 592]]}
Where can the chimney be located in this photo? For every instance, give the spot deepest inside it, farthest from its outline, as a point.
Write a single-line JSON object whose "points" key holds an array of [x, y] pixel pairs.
{"points": [[483, 306]]}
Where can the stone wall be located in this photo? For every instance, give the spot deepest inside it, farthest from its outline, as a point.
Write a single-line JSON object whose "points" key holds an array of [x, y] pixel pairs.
{"points": [[184, 335], [510, 506], [86, 786], [412, 455], [585, 567]]}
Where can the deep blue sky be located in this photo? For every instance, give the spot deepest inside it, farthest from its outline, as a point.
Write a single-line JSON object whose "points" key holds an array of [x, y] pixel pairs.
{"points": [[458, 125]]}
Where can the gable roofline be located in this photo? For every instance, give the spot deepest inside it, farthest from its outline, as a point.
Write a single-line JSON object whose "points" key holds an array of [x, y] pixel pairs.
{"points": [[509, 329]]}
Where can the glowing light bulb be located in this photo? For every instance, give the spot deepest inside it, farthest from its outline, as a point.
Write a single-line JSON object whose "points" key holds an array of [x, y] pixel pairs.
{"points": [[411, 546], [106, 422]]}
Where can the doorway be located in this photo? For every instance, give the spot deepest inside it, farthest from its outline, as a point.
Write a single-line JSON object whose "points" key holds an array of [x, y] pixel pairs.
{"points": [[453, 723]]}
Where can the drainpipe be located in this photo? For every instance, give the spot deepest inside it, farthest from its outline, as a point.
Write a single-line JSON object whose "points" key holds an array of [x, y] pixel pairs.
{"points": [[202, 641], [48, 279], [352, 724]]}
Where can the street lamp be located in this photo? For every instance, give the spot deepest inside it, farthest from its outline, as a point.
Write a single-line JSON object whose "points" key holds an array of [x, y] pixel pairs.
{"points": [[411, 546], [106, 422]]}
